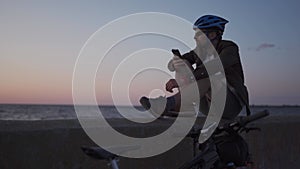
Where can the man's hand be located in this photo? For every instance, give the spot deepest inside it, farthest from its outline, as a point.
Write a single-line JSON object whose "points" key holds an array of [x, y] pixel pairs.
{"points": [[171, 84], [174, 63], [178, 62]]}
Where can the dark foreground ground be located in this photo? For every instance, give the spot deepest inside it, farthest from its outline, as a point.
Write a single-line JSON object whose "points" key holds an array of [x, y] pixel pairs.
{"points": [[55, 144]]}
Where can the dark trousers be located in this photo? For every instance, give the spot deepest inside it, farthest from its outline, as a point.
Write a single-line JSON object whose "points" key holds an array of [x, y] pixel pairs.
{"points": [[232, 106]]}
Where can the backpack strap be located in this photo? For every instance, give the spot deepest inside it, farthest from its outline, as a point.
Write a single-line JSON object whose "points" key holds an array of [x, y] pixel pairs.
{"points": [[240, 99]]}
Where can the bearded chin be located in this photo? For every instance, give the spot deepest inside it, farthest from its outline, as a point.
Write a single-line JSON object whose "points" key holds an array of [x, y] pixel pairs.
{"points": [[203, 49], [198, 49]]}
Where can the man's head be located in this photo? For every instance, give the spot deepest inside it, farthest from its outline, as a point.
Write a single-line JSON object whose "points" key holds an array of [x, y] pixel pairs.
{"points": [[211, 26]]}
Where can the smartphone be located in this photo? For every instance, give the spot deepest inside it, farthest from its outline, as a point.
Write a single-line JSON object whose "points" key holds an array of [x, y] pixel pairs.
{"points": [[177, 53]]}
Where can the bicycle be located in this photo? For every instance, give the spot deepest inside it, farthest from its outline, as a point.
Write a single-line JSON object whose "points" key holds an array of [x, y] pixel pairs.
{"points": [[209, 156]]}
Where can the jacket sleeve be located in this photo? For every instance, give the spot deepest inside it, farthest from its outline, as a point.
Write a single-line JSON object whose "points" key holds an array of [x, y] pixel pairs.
{"points": [[229, 56]]}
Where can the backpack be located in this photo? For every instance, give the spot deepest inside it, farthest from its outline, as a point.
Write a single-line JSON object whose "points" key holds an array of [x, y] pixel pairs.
{"points": [[231, 147]]}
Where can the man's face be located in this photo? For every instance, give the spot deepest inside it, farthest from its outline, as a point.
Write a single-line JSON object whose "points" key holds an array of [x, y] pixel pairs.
{"points": [[203, 36]]}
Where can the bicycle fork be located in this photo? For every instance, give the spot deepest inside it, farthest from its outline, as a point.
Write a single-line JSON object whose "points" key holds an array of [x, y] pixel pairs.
{"points": [[114, 163]]}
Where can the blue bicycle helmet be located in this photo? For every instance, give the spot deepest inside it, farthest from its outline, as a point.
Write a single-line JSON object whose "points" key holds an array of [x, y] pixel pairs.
{"points": [[210, 21]]}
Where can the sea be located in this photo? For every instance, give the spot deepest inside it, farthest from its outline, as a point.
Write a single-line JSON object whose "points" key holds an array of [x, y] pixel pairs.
{"points": [[56, 112]]}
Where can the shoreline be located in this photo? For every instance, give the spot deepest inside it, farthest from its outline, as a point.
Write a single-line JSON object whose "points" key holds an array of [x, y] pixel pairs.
{"points": [[109, 105], [49, 124]]}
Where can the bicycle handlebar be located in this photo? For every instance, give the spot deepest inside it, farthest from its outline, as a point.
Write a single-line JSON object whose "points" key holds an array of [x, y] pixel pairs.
{"points": [[240, 122], [243, 121]]}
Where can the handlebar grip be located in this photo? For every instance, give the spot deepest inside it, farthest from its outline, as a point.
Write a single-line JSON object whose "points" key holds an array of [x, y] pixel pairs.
{"points": [[254, 117]]}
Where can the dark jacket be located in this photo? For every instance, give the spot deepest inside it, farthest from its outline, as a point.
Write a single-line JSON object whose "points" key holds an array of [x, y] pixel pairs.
{"points": [[229, 55]]}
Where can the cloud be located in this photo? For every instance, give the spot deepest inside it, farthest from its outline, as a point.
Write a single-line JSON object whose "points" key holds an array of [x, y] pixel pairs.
{"points": [[264, 46]]}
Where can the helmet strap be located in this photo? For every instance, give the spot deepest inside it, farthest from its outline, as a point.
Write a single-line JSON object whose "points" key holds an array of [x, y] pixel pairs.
{"points": [[216, 39]]}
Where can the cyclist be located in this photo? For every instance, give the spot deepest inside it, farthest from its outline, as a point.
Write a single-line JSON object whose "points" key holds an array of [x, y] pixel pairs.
{"points": [[208, 28]]}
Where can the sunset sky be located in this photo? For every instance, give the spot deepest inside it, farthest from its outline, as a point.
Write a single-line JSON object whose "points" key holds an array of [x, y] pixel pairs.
{"points": [[41, 40]]}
